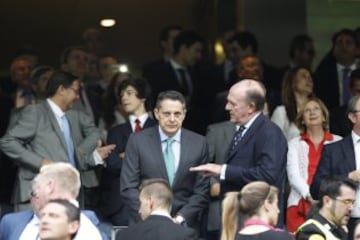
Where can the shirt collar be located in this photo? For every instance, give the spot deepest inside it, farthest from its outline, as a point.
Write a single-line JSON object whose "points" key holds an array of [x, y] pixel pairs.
{"points": [[142, 118], [164, 137], [341, 67], [175, 65], [250, 122], [327, 136], [355, 137], [55, 108], [161, 213]]}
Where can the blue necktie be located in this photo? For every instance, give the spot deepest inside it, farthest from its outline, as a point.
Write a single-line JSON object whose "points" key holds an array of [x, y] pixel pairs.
{"points": [[345, 85], [170, 160], [68, 139]]}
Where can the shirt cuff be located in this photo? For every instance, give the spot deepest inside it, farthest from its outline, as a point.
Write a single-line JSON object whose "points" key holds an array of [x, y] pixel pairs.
{"points": [[223, 171], [97, 158]]}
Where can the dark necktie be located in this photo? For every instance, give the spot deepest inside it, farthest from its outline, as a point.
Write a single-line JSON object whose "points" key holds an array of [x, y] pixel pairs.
{"points": [[183, 82], [137, 126], [345, 85], [237, 137]]}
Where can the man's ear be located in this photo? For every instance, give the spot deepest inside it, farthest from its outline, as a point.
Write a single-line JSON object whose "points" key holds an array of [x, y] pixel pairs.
{"points": [[156, 113], [351, 117], [73, 227]]}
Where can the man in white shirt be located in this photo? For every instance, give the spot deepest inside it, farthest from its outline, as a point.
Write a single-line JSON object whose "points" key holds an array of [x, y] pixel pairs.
{"points": [[55, 180]]}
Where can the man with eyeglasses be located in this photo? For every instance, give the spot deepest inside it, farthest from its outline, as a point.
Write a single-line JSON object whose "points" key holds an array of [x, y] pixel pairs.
{"points": [[167, 151], [51, 132], [336, 201], [342, 158]]}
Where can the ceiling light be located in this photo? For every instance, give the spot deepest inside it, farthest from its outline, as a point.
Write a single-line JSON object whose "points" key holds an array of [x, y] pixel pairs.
{"points": [[108, 22]]}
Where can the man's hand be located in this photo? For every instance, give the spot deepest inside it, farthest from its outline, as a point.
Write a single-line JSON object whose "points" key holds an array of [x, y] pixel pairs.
{"points": [[208, 170], [355, 175], [104, 151], [45, 162], [122, 155], [215, 190]]}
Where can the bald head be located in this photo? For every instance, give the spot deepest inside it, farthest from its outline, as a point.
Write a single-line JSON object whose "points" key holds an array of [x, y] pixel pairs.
{"points": [[245, 99]]}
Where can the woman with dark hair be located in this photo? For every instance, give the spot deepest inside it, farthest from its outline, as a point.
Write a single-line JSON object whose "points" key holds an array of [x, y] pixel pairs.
{"points": [[256, 205], [304, 154], [297, 87]]}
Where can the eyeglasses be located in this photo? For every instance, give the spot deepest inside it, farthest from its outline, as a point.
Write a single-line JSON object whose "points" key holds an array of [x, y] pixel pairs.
{"points": [[347, 202]]}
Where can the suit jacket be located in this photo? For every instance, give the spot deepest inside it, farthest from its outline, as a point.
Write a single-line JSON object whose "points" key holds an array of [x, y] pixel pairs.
{"points": [[337, 159], [156, 227], [144, 160], [111, 201], [259, 156], [219, 137], [326, 84], [37, 135], [339, 121], [12, 225]]}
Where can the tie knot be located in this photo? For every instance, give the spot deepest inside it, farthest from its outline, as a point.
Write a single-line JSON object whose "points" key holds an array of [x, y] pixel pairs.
{"points": [[170, 141], [241, 128], [137, 121]]}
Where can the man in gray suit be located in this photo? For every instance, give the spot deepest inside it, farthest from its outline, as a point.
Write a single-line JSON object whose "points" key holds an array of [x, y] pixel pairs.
{"points": [[167, 151], [51, 132], [219, 137]]}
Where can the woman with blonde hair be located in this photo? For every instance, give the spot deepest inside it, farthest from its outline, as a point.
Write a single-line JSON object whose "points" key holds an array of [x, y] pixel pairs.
{"points": [[256, 206], [303, 156]]}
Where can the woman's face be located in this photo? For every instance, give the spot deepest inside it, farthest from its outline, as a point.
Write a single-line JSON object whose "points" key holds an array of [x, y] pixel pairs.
{"points": [[313, 115], [273, 211], [303, 82]]}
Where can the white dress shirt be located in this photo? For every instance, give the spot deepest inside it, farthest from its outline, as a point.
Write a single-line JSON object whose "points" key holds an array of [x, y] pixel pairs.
{"points": [[175, 146], [142, 119]]}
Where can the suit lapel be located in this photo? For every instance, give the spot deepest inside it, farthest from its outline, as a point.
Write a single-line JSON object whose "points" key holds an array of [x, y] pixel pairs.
{"points": [[184, 152], [21, 224], [248, 135], [349, 152], [156, 148], [55, 124]]}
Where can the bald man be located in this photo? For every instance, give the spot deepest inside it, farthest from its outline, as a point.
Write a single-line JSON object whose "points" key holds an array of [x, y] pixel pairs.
{"points": [[258, 149]]}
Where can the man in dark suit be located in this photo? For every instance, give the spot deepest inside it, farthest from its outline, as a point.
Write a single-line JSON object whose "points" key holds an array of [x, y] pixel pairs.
{"points": [[184, 73], [75, 60], [134, 93], [342, 158], [51, 132], [332, 75], [155, 201], [167, 151], [339, 121], [258, 149]]}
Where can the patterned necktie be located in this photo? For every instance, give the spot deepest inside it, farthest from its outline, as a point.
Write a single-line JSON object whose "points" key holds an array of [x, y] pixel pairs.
{"points": [[68, 139], [170, 160], [237, 137], [137, 126], [345, 85]]}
